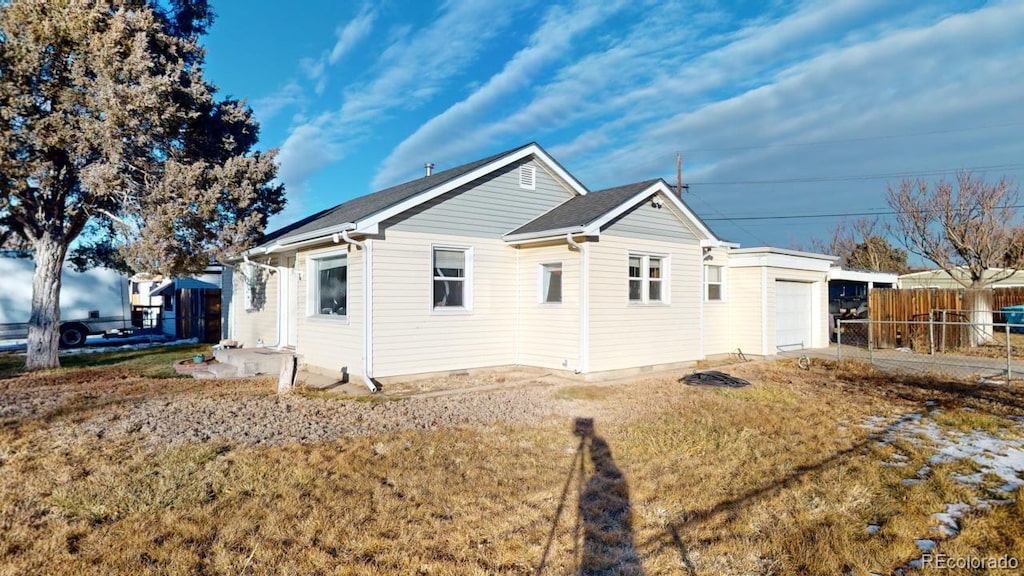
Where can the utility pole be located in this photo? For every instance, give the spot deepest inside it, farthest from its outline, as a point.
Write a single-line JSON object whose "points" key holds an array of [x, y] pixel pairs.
{"points": [[679, 177]]}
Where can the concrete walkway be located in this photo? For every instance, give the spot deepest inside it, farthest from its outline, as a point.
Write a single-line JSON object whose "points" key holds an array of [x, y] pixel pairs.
{"points": [[953, 365]]}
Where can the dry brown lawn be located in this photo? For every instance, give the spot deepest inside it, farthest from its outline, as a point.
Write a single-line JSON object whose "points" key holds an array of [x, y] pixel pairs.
{"points": [[774, 478]]}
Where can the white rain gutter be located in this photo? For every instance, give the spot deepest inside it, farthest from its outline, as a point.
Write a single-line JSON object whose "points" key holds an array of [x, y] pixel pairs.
{"points": [[245, 258], [573, 243]]}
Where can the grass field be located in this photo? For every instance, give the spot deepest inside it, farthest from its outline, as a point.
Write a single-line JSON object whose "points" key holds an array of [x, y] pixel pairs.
{"points": [[644, 477]]}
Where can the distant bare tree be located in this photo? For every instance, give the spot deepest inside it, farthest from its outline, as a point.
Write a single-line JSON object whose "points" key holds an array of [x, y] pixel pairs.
{"points": [[970, 230], [861, 245]]}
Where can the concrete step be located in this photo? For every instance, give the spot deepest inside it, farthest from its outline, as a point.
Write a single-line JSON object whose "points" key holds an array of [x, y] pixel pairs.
{"points": [[253, 361]]}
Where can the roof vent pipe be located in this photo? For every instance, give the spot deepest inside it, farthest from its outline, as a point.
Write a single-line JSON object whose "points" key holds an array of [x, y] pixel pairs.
{"points": [[430, 168]]}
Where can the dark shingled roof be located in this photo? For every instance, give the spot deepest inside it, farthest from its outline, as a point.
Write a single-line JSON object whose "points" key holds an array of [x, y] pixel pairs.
{"points": [[582, 210], [363, 206]]}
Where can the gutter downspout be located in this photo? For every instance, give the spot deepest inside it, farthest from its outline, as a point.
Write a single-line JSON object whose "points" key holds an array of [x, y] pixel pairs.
{"points": [[367, 248], [573, 243], [583, 353]]}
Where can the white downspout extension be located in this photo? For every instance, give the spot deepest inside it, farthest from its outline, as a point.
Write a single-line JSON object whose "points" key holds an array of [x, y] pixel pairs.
{"points": [[701, 294], [583, 363], [367, 248], [764, 309], [519, 324]]}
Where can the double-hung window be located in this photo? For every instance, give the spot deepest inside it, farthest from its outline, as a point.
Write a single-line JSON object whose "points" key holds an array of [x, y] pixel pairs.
{"points": [[551, 283], [647, 278], [452, 270], [330, 285], [712, 282]]}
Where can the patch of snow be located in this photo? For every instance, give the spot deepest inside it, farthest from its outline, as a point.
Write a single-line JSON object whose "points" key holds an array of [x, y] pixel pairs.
{"points": [[873, 529], [925, 544]]}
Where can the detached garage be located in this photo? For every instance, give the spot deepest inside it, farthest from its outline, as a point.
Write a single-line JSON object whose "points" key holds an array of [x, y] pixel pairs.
{"points": [[785, 299]]}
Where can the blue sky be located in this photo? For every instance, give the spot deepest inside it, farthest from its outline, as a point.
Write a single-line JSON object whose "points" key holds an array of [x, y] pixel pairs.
{"points": [[779, 108]]}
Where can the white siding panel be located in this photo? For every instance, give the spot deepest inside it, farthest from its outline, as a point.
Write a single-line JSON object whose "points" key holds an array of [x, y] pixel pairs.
{"points": [[330, 345], [486, 208], [259, 325], [743, 296], [410, 337], [624, 335], [549, 333], [717, 325]]}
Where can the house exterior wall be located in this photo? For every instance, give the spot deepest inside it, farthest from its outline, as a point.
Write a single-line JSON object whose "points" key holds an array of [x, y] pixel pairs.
{"points": [[646, 222], [258, 325], [410, 337], [627, 335], [744, 291], [717, 313], [327, 344], [548, 333], [486, 208]]}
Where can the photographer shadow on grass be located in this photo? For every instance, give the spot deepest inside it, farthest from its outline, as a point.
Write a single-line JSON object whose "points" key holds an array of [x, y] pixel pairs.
{"points": [[604, 515], [607, 517]]}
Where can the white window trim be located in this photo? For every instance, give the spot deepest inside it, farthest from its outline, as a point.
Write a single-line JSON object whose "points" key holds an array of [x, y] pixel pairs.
{"points": [[312, 284], [467, 295], [540, 283], [645, 279], [721, 283]]}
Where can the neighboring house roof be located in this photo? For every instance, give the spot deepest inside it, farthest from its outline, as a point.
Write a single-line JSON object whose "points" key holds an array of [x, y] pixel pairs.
{"points": [[372, 207], [587, 214]]}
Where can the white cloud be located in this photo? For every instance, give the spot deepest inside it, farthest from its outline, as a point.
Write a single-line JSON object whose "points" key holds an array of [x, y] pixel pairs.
{"points": [[352, 33], [291, 94], [432, 141]]}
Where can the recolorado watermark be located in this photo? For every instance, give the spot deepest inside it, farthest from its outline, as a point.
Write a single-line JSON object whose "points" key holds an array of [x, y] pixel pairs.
{"points": [[947, 562]]}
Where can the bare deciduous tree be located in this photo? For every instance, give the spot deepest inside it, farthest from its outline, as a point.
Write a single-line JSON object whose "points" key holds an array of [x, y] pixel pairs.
{"points": [[968, 229], [861, 245], [108, 128]]}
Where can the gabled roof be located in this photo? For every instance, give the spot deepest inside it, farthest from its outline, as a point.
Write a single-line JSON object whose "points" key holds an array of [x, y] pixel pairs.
{"points": [[364, 214], [587, 214], [579, 211], [363, 206]]}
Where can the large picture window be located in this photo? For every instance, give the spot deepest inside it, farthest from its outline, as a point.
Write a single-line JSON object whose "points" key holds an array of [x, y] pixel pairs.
{"points": [[330, 289], [647, 278], [451, 267], [551, 283]]}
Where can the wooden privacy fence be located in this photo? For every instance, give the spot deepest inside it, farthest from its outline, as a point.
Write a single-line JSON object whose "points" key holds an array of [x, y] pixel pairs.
{"points": [[889, 307]]}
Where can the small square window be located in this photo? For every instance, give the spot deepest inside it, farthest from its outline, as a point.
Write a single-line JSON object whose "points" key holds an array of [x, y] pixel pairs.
{"points": [[647, 278], [450, 277], [551, 283], [713, 281]]}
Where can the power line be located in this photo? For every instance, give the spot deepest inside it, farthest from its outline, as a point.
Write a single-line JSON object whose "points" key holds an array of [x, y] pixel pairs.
{"points": [[857, 139], [812, 179], [833, 215]]}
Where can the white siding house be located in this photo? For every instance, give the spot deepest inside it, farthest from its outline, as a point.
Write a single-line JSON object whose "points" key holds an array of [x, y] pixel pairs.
{"points": [[509, 260]]}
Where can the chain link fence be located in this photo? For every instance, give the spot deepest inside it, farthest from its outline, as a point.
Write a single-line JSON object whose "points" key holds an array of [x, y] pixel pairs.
{"points": [[945, 343]]}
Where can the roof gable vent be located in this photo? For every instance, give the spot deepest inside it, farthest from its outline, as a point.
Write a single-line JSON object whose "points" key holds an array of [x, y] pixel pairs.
{"points": [[528, 177]]}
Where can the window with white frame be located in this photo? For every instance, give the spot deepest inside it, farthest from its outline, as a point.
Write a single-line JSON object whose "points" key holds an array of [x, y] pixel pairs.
{"points": [[451, 275], [329, 285], [551, 283], [713, 282], [647, 278]]}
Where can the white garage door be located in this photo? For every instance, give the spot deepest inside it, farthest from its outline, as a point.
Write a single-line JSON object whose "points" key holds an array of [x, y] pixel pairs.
{"points": [[792, 315]]}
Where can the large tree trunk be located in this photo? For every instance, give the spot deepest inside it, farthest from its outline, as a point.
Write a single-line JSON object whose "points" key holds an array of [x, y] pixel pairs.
{"points": [[44, 323], [978, 303]]}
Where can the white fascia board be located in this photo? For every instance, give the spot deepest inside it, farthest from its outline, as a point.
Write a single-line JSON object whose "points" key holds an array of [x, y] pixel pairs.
{"points": [[837, 273], [777, 260], [715, 243], [374, 220], [556, 234], [694, 220], [316, 234]]}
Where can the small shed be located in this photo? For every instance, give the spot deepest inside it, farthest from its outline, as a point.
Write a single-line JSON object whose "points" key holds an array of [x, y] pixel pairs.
{"points": [[183, 308]]}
